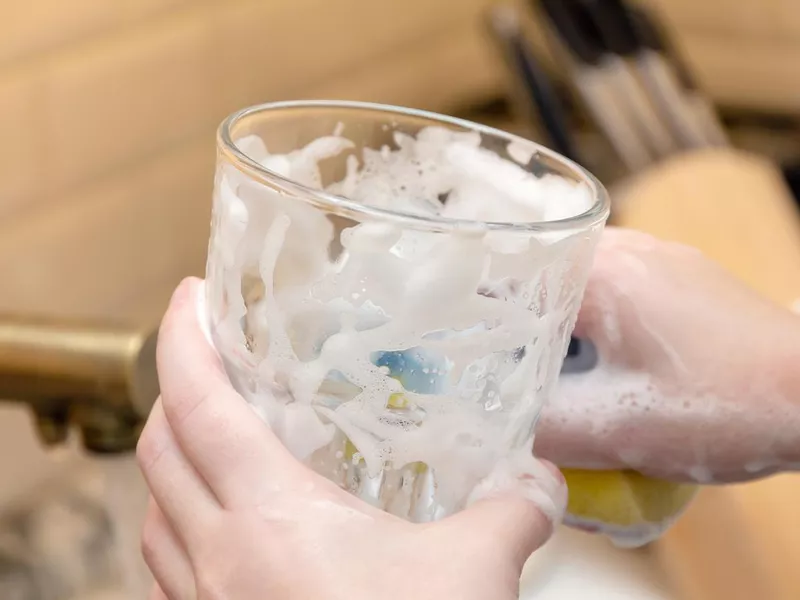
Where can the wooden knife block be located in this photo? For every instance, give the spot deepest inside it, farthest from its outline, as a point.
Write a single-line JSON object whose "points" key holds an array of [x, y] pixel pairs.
{"points": [[739, 542]]}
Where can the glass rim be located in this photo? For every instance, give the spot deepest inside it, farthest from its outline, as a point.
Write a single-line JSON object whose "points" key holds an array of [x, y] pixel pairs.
{"points": [[596, 214]]}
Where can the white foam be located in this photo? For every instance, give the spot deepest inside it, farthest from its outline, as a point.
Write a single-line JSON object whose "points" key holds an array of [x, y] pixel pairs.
{"points": [[253, 146]]}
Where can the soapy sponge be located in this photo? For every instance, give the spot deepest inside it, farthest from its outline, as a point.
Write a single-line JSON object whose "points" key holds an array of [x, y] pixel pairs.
{"points": [[631, 509]]}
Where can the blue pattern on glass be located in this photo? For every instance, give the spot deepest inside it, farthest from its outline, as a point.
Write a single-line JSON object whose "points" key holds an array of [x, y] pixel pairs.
{"points": [[416, 369]]}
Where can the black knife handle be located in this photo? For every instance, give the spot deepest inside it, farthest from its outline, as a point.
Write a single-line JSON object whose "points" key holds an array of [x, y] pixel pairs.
{"points": [[646, 31], [612, 21], [575, 30], [504, 26], [539, 86]]}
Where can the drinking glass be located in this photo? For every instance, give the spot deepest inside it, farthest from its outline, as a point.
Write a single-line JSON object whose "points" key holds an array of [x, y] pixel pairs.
{"points": [[378, 292]]}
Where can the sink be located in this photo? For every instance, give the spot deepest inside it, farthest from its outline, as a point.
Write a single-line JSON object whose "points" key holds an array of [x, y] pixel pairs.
{"points": [[580, 565]]}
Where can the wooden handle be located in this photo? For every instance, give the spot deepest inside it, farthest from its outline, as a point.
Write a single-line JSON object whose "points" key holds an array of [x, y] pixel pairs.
{"points": [[739, 542]]}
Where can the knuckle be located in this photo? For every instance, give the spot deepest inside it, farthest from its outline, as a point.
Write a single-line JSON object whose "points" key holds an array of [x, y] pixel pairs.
{"points": [[151, 533], [180, 405], [148, 450]]}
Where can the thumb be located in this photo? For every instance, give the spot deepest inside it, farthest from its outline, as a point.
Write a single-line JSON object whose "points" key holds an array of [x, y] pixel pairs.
{"points": [[517, 508], [217, 430]]}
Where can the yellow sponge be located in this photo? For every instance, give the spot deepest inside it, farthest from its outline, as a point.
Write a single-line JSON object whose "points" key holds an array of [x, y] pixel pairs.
{"points": [[628, 507]]}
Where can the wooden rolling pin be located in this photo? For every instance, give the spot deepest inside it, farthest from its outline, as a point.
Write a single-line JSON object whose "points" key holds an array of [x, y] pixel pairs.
{"points": [[740, 542]]}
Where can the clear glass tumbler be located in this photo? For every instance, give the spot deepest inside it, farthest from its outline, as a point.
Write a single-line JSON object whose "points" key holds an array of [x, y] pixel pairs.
{"points": [[394, 290]]}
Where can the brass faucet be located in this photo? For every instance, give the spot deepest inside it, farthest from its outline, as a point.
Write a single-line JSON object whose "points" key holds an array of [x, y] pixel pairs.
{"points": [[97, 377]]}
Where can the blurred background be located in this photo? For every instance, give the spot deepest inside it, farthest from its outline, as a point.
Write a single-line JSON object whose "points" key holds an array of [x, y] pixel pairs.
{"points": [[688, 110]]}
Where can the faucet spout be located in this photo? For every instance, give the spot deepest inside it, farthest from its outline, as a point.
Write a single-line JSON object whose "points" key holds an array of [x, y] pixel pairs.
{"points": [[97, 377]]}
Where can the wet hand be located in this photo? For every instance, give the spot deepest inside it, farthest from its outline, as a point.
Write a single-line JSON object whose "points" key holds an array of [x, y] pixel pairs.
{"points": [[696, 378]]}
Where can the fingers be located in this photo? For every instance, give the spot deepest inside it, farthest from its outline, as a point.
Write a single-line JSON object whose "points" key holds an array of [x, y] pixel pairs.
{"points": [[232, 449], [518, 522], [166, 559], [517, 510], [173, 482]]}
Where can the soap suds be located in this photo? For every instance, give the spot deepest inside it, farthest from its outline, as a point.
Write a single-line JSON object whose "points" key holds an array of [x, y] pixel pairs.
{"points": [[408, 366]]}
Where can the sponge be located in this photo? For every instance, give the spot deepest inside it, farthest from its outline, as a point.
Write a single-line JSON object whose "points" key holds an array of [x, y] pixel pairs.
{"points": [[631, 509]]}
